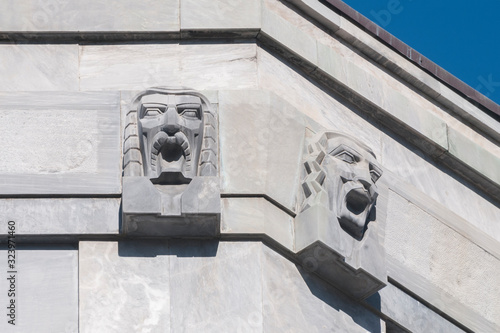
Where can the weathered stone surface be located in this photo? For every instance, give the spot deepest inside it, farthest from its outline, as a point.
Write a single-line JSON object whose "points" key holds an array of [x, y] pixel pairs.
{"points": [[124, 286], [257, 216], [60, 143], [71, 216], [413, 168], [319, 12], [93, 15], [409, 312], [37, 67], [349, 69], [261, 138], [220, 14], [280, 27], [441, 266], [46, 288], [193, 212], [296, 301], [477, 153], [311, 100], [138, 67], [216, 287]]}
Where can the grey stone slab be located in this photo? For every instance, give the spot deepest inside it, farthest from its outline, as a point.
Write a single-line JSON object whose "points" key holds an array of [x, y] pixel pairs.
{"points": [[257, 216], [150, 212], [485, 122], [390, 96], [409, 312], [93, 15], [429, 186], [312, 101], [445, 215], [124, 287], [279, 24], [216, 287], [208, 66], [37, 67], [355, 267], [296, 301], [261, 139], [441, 266], [60, 143], [319, 12], [61, 216], [46, 289], [220, 14], [481, 155]]}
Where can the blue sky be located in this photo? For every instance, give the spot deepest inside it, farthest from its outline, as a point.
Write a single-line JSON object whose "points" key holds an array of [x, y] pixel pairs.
{"points": [[461, 36]]}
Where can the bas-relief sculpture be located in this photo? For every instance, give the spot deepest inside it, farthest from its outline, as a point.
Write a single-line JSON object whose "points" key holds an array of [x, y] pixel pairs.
{"points": [[170, 180], [336, 228]]}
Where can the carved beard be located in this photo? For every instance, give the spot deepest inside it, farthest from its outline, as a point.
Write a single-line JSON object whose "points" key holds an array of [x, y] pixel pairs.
{"points": [[170, 158]]}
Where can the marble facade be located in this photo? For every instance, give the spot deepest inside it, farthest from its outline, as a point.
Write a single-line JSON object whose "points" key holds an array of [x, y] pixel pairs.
{"points": [[141, 205]]}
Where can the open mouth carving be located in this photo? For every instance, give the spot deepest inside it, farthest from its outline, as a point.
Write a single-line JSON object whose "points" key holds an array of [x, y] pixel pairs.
{"points": [[357, 201], [170, 149]]}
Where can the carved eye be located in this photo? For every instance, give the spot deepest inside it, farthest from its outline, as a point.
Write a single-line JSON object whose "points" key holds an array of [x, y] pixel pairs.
{"points": [[375, 173], [346, 157], [152, 112], [190, 113], [189, 110]]}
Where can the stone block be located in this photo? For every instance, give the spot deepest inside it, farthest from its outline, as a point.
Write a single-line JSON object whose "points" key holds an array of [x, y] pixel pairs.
{"points": [[418, 176], [60, 143], [261, 137], [409, 312], [323, 248], [40, 67], [215, 286], [475, 151], [124, 286], [149, 212], [422, 120], [294, 300], [93, 15], [73, 216], [257, 216], [220, 14], [282, 31], [311, 100], [46, 288], [442, 266], [350, 70], [319, 12], [209, 66]]}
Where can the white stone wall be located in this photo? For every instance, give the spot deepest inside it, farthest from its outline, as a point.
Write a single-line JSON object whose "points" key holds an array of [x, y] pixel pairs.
{"points": [[62, 107]]}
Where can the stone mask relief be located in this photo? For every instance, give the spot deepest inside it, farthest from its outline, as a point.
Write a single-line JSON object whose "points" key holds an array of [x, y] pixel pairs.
{"points": [[170, 163], [176, 131], [172, 133], [347, 171], [337, 213]]}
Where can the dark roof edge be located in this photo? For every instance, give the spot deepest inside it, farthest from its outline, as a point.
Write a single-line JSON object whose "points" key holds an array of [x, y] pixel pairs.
{"points": [[471, 94]]}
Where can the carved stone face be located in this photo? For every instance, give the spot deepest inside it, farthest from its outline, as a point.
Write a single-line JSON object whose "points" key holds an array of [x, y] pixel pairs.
{"points": [[171, 132], [352, 172]]}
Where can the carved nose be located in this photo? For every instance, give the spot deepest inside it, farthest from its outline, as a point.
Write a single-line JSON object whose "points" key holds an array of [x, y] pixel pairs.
{"points": [[366, 184], [171, 121]]}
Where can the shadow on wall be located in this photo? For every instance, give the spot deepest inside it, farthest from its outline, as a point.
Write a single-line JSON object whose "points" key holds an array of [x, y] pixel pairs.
{"points": [[336, 300], [179, 248]]}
